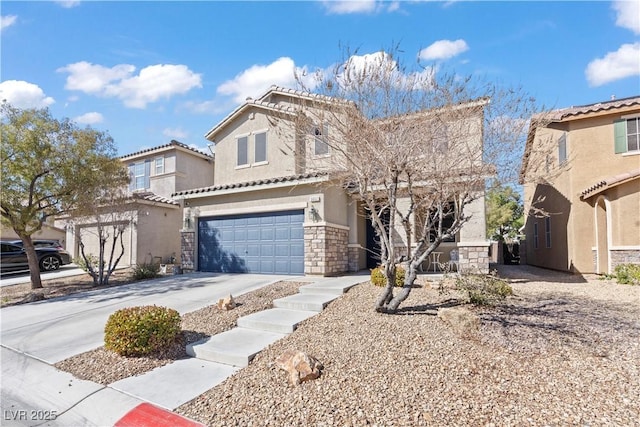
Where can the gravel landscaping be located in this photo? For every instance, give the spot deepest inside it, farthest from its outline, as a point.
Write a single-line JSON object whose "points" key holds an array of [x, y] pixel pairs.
{"points": [[564, 350], [105, 367]]}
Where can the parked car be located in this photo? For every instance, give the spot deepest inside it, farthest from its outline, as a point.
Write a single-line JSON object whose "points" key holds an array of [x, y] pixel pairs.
{"points": [[13, 257], [40, 243]]}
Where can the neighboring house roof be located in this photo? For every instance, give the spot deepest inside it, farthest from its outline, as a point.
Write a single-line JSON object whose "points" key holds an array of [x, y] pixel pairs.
{"points": [[574, 112], [253, 185], [153, 198], [568, 114], [608, 183], [160, 148]]}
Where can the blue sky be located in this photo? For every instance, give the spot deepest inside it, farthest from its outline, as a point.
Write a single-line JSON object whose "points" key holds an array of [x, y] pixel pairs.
{"points": [[151, 71]]}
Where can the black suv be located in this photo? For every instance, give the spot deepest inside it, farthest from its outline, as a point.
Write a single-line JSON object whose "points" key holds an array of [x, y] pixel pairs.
{"points": [[50, 253]]}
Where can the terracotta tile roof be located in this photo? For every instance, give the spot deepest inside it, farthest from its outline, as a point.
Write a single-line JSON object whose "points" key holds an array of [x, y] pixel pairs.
{"points": [[246, 105], [594, 108], [152, 197], [607, 183], [256, 183], [173, 143]]}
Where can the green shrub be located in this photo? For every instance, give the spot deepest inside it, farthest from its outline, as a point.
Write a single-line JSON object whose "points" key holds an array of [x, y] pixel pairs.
{"points": [[628, 274], [145, 271], [137, 331], [483, 289], [379, 279], [80, 262]]}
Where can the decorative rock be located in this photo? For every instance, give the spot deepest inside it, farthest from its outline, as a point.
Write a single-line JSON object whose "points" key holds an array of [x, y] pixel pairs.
{"points": [[461, 319], [227, 303], [300, 366]]}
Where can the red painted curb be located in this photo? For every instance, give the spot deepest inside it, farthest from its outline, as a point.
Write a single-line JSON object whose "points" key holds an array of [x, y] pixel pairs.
{"points": [[147, 415]]}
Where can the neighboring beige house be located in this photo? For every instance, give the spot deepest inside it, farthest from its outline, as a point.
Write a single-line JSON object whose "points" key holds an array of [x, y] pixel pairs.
{"points": [[49, 232], [581, 176], [152, 219], [270, 208]]}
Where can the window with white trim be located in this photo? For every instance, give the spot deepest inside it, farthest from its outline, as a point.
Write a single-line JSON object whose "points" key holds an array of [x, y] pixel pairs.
{"points": [[243, 151], [260, 147], [535, 235], [321, 145], [159, 166], [547, 232], [627, 135], [139, 174]]}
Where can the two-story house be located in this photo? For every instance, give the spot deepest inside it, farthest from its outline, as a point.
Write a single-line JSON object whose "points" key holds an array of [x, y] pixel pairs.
{"points": [[272, 208], [152, 219], [581, 176]]}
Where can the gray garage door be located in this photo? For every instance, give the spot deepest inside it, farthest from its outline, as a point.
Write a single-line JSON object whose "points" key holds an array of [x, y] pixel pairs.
{"points": [[269, 243]]}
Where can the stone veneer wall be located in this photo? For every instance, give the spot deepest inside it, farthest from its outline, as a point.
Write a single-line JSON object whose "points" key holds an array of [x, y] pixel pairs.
{"points": [[624, 256], [188, 249], [326, 250], [354, 257], [474, 258]]}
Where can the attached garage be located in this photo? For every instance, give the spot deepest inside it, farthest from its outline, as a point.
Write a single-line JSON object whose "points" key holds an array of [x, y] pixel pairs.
{"points": [[267, 243]]}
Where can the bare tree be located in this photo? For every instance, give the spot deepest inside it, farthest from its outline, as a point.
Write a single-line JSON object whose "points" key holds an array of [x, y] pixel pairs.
{"points": [[415, 147], [105, 221]]}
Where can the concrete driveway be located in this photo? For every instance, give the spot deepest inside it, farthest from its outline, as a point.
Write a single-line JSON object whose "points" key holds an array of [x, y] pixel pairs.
{"points": [[34, 336]]}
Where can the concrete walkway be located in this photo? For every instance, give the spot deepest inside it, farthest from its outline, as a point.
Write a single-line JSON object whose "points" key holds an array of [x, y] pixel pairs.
{"points": [[35, 336]]}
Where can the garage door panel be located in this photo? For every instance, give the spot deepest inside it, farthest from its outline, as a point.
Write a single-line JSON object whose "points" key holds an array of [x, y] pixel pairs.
{"points": [[256, 243]]}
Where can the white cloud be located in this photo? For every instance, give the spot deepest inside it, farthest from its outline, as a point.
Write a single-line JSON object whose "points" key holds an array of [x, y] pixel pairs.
{"points": [[628, 14], [7, 20], [175, 133], [383, 65], [340, 7], [257, 79], [136, 91], [89, 118], [443, 49], [614, 66], [68, 4], [94, 79], [23, 94]]}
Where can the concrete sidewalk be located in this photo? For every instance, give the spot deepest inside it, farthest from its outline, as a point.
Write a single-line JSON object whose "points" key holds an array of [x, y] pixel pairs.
{"points": [[37, 335]]}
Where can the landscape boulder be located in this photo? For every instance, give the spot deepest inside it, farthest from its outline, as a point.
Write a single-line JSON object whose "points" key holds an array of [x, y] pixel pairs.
{"points": [[462, 320], [227, 303], [300, 366]]}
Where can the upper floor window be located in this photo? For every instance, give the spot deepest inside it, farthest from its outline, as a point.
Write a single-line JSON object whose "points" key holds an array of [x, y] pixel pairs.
{"points": [[321, 145], [633, 134], [243, 151], [627, 135], [159, 166], [139, 174], [562, 149], [260, 148], [535, 235], [547, 232]]}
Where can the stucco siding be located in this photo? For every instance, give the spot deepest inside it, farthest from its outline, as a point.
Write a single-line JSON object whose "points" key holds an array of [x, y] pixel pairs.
{"points": [[280, 150]]}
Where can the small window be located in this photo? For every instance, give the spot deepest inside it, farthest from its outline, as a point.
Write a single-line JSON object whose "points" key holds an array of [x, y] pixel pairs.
{"points": [[260, 147], [535, 235], [159, 165], [139, 176], [243, 151], [562, 149], [321, 145], [547, 232], [633, 134]]}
